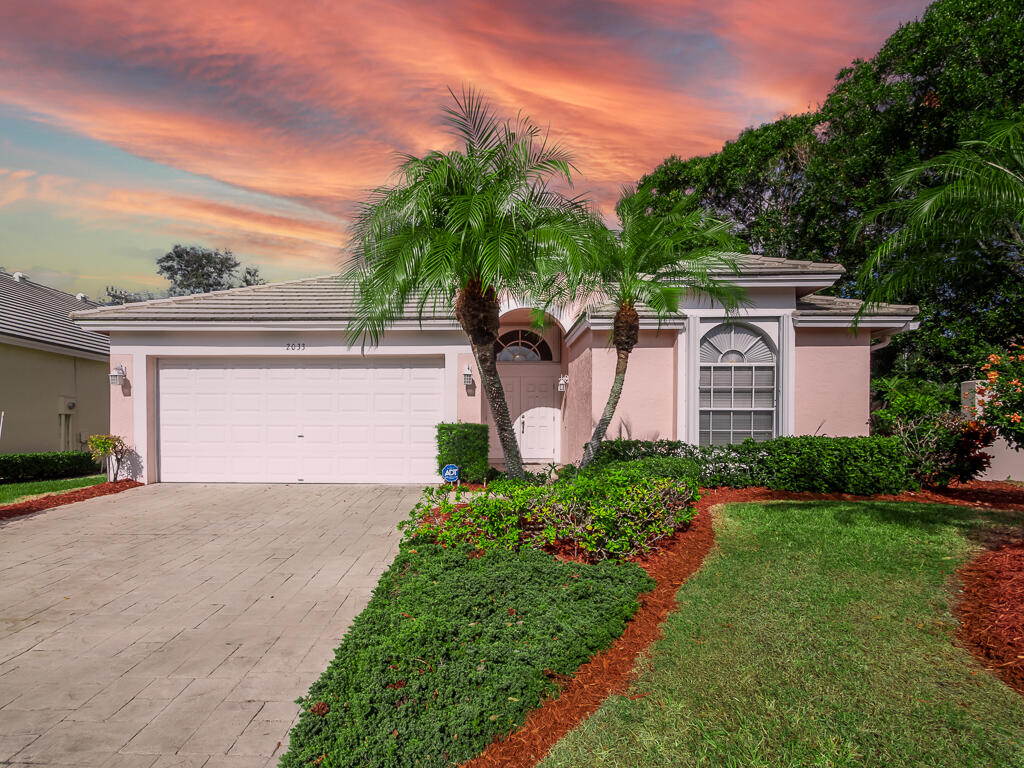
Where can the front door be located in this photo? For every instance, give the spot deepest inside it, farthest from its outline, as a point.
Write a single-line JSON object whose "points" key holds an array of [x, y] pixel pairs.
{"points": [[532, 397]]}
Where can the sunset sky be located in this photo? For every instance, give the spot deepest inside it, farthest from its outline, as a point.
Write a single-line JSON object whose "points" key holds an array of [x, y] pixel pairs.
{"points": [[255, 125]]}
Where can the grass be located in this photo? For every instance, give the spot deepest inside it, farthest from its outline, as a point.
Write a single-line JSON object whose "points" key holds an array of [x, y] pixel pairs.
{"points": [[11, 493], [817, 634]]}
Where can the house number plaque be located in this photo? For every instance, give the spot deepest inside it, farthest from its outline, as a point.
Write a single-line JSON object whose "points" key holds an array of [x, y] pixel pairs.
{"points": [[297, 346]]}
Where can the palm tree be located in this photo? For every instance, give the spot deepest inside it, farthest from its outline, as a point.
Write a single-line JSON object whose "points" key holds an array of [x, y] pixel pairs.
{"points": [[465, 229], [975, 206], [652, 262]]}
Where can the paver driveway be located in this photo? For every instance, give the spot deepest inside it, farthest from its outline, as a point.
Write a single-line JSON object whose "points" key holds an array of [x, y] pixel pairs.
{"points": [[175, 625]]}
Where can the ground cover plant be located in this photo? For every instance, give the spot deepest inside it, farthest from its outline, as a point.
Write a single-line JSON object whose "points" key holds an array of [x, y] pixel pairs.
{"points": [[857, 465], [612, 513], [454, 648], [14, 492], [816, 634]]}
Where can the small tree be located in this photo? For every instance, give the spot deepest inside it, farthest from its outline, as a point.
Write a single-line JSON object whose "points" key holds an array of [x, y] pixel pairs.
{"points": [[464, 229], [652, 262], [111, 451]]}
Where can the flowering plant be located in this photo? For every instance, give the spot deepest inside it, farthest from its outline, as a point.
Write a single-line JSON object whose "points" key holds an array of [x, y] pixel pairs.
{"points": [[1001, 396]]}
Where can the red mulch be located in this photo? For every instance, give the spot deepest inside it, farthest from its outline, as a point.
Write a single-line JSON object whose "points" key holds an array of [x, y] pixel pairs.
{"points": [[680, 556], [991, 612], [67, 497]]}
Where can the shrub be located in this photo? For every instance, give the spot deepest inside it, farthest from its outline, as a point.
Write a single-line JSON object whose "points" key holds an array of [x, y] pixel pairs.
{"points": [[454, 650], [859, 465], [1002, 396], [466, 446], [25, 467], [942, 444], [612, 513], [111, 450]]}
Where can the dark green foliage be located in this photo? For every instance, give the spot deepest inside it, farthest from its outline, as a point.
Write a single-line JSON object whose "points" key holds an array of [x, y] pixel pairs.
{"points": [[455, 649], [611, 513], [466, 446], [195, 269], [860, 465], [22, 467], [799, 187], [941, 443]]}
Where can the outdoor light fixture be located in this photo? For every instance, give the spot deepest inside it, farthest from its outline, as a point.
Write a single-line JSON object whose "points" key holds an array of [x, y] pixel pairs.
{"points": [[118, 375], [563, 382], [467, 377]]}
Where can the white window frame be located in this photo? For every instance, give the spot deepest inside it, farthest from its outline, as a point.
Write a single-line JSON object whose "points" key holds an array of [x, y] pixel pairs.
{"points": [[710, 410]]}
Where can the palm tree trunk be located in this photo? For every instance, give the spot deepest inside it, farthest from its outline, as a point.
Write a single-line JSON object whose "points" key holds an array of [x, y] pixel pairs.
{"points": [[621, 361], [491, 384], [477, 309], [625, 334]]}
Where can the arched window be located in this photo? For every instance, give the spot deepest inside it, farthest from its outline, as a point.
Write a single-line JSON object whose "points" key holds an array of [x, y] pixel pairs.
{"points": [[521, 347], [737, 386]]}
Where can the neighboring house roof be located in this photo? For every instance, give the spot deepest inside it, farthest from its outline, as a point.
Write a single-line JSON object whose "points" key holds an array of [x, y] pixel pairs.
{"points": [[39, 316]]}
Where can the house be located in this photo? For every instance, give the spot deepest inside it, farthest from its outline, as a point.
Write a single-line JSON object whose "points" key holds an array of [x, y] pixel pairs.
{"points": [[54, 389], [260, 384]]}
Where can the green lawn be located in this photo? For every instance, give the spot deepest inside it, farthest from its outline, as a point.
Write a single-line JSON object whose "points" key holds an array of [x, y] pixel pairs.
{"points": [[817, 634], [13, 492]]}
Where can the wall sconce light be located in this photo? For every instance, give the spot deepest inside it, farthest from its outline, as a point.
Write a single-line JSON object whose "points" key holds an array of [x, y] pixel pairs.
{"points": [[467, 377], [118, 375], [563, 382]]}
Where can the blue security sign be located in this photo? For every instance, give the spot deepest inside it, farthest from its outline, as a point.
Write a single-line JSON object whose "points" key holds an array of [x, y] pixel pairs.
{"points": [[450, 473]]}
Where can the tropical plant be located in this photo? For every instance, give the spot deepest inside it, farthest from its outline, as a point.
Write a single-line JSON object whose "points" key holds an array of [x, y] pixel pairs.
{"points": [[651, 263], [976, 207], [467, 228]]}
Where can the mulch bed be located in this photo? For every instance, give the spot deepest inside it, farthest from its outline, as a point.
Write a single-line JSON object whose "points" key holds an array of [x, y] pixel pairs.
{"points": [[998, 593], [67, 497], [991, 612]]}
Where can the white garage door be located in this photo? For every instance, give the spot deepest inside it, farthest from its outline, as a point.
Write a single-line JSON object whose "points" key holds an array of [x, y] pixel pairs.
{"points": [[268, 420]]}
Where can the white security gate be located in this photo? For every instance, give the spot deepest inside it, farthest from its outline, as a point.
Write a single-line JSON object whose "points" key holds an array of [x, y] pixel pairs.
{"points": [[320, 420]]}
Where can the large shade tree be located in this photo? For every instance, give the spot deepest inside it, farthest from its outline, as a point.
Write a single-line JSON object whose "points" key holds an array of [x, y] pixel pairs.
{"points": [[465, 229], [651, 263]]}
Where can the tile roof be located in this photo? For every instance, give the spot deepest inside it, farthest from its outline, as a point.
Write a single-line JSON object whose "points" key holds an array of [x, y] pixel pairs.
{"points": [[756, 264], [42, 314], [325, 298], [817, 305]]}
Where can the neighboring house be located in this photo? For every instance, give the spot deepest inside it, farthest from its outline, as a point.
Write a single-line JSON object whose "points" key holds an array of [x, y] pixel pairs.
{"points": [[54, 389], [260, 385]]}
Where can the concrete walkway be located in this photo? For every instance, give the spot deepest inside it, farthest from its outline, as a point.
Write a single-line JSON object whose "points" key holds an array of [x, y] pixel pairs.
{"points": [[175, 625]]}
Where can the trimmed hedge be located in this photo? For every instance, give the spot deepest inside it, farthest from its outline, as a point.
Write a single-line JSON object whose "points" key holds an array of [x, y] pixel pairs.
{"points": [[857, 465], [466, 446], [26, 467], [454, 649]]}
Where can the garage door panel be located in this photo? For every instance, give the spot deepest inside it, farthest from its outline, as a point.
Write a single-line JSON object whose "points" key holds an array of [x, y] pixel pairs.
{"points": [[360, 420]]}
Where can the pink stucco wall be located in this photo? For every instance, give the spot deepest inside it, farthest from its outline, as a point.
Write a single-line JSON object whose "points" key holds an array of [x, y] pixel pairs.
{"points": [[833, 382], [577, 424], [647, 408], [122, 416], [648, 405]]}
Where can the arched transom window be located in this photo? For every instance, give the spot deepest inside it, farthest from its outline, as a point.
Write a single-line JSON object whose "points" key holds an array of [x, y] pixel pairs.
{"points": [[521, 347], [737, 386]]}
